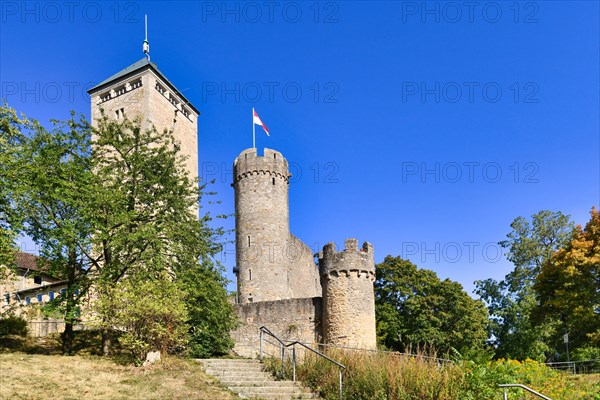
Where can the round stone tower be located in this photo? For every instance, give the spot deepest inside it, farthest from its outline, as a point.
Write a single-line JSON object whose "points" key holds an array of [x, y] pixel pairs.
{"points": [[348, 298], [272, 264]]}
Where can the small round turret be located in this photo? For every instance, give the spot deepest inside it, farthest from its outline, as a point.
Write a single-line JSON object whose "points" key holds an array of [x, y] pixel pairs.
{"points": [[348, 298]]}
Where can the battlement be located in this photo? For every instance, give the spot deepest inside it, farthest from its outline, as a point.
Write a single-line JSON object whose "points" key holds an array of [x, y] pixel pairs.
{"points": [[350, 262], [271, 163]]}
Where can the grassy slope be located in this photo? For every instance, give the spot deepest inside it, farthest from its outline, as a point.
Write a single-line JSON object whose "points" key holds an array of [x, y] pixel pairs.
{"points": [[34, 370], [26, 376]]}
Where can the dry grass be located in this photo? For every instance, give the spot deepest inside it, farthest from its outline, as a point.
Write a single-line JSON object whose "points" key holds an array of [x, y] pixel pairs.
{"points": [[24, 375], [384, 376], [388, 376]]}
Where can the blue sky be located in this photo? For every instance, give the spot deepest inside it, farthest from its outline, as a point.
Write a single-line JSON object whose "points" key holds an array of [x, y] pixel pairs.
{"points": [[422, 127]]}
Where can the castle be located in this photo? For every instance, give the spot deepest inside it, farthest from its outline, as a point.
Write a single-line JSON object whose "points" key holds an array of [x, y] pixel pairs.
{"points": [[278, 283]]}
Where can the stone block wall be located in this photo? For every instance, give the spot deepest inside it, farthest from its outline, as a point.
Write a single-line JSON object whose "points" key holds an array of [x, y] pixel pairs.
{"points": [[291, 319], [148, 96]]}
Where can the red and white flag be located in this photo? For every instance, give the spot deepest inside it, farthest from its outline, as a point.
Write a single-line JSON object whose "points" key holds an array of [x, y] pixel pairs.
{"points": [[257, 121]]}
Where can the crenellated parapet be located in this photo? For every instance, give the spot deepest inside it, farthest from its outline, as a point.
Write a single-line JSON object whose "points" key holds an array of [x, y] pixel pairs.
{"points": [[352, 261], [272, 163]]}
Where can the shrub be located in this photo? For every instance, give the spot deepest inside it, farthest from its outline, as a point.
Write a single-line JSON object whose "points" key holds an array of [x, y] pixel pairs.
{"points": [[586, 353], [482, 380], [13, 326], [149, 313]]}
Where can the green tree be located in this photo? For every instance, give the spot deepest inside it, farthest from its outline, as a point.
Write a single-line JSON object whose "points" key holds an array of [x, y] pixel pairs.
{"points": [[147, 226], [512, 331], [10, 137], [46, 178], [511, 301], [568, 287], [415, 308], [530, 245], [118, 207], [210, 314]]}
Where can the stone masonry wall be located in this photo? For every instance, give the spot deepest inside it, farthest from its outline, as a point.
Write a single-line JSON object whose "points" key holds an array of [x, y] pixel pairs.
{"points": [[137, 96], [292, 319], [303, 270]]}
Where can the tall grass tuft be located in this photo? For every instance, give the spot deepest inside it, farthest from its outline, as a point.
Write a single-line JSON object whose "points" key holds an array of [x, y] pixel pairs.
{"points": [[379, 375], [393, 376]]}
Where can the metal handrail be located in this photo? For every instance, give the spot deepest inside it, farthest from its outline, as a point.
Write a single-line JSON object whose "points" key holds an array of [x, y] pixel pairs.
{"points": [[578, 366], [517, 385], [293, 344], [282, 346]]}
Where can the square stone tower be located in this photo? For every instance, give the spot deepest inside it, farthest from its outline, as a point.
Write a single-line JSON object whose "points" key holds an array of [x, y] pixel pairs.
{"points": [[141, 90]]}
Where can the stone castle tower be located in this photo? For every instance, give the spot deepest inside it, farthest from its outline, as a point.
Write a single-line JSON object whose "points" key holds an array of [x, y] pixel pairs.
{"points": [[141, 90], [272, 264], [279, 284], [348, 299]]}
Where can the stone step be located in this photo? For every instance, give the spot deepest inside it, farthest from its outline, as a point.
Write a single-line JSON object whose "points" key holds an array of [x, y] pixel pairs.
{"points": [[258, 393], [227, 360], [238, 374], [279, 397], [247, 379], [260, 380], [234, 367], [258, 390], [232, 380], [249, 367], [230, 364], [251, 383]]}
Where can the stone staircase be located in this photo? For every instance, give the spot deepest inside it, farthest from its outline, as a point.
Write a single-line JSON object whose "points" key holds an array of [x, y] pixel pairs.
{"points": [[247, 379]]}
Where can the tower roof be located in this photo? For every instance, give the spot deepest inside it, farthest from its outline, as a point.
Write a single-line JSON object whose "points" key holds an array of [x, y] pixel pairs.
{"points": [[138, 66]]}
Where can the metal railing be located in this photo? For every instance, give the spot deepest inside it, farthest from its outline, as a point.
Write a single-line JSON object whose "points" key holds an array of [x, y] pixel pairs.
{"points": [[516, 385], [283, 345], [577, 367]]}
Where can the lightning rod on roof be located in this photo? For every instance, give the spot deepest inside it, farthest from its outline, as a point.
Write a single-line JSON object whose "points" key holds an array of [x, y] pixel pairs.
{"points": [[146, 46]]}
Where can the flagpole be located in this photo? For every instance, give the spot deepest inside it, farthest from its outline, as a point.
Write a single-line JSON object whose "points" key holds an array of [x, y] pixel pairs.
{"points": [[253, 130]]}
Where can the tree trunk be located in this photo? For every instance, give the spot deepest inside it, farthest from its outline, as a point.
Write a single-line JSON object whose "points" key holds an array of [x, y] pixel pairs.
{"points": [[67, 339], [105, 342], [71, 304]]}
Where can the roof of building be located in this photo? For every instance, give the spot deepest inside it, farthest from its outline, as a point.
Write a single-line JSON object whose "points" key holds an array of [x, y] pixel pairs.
{"points": [[144, 63], [26, 261]]}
